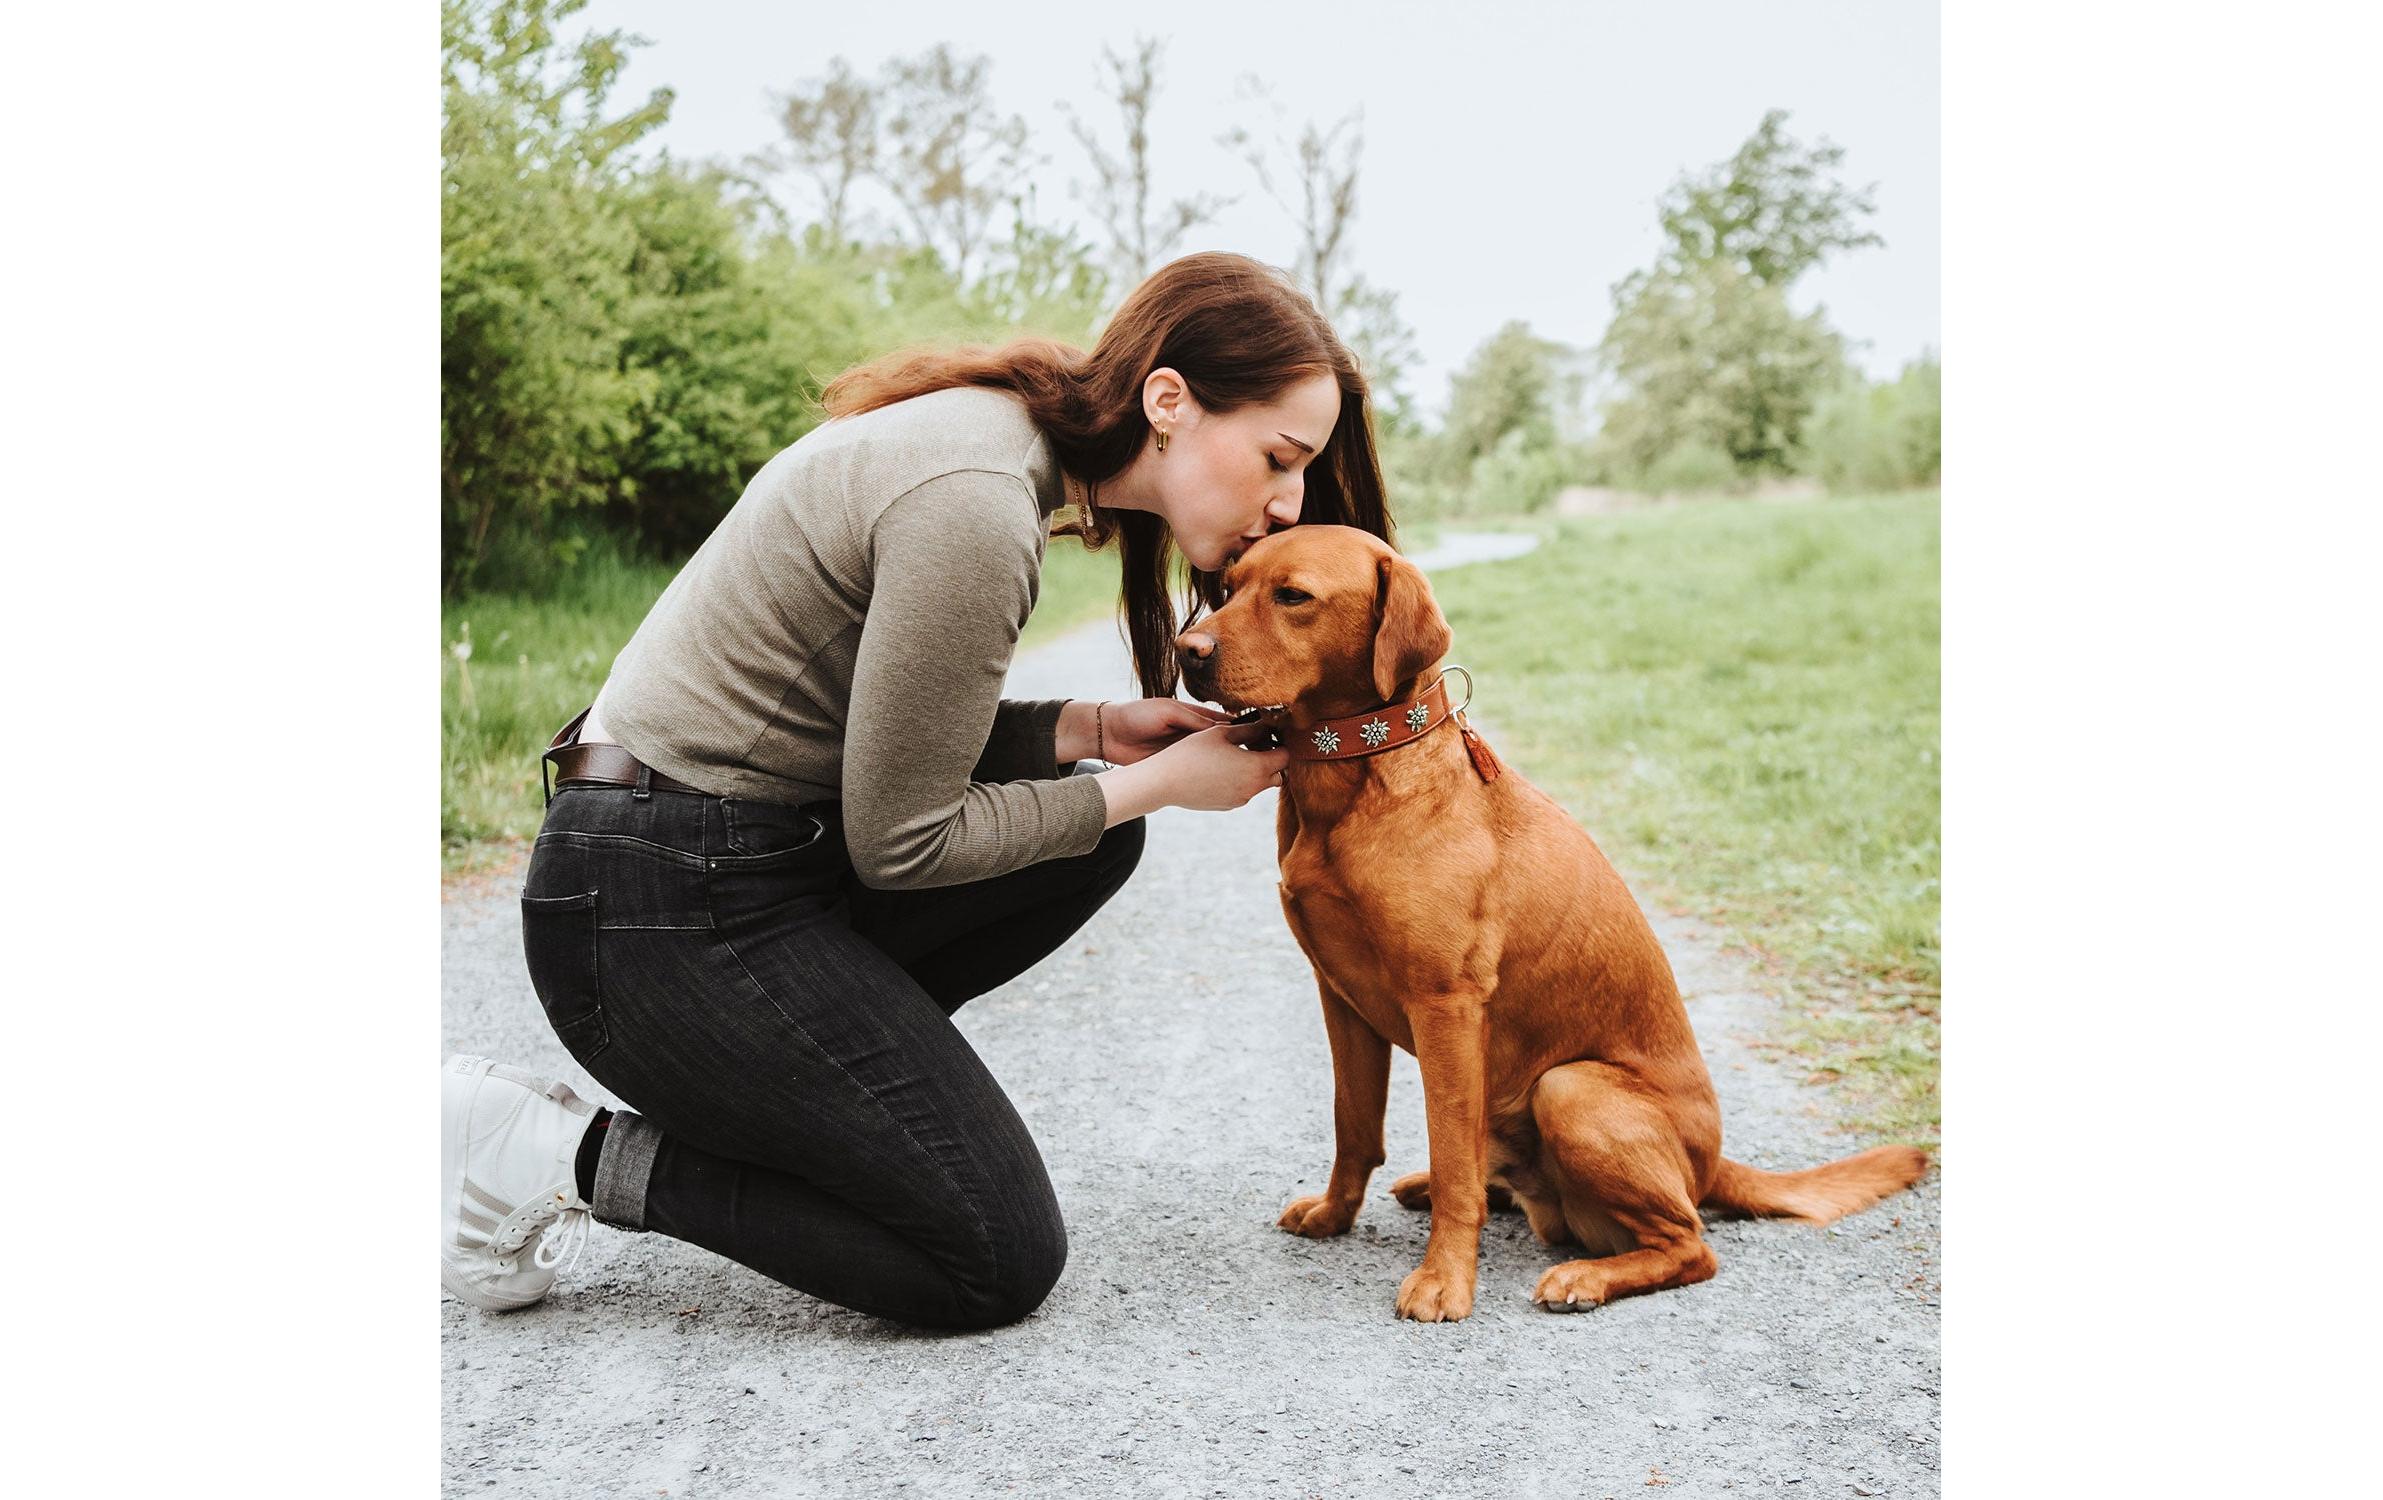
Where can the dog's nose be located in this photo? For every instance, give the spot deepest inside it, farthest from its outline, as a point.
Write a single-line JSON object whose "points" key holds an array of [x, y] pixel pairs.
{"points": [[1193, 651]]}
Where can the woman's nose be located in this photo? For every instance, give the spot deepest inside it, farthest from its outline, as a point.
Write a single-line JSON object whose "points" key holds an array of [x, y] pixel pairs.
{"points": [[1285, 509]]}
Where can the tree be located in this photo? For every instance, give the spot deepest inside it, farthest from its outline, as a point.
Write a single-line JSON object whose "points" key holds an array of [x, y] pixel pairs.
{"points": [[831, 130], [1865, 437], [1706, 355], [1042, 279], [1499, 447], [1315, 182], [954, 159], [1312, 177], [1771, 211], [1367, 319], [1508, 385], [534, 406], [1120, 195]]}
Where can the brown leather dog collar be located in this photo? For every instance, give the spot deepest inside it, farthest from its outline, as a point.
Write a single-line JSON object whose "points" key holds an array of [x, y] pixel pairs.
{"points": [[1393, 725]]}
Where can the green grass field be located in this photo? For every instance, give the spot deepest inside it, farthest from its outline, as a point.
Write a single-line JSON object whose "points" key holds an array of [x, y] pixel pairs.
{"points": [[1739, 702]]}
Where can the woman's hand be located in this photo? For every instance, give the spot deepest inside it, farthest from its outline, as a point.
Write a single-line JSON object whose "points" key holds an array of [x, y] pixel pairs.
{"points": [[1219, 768], [1141, 728], [1209, 771]]}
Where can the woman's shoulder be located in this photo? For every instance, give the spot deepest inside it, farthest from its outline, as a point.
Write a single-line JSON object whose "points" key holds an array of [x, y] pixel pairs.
{"points": [[877, 456], [960, 427], [974, 455]]}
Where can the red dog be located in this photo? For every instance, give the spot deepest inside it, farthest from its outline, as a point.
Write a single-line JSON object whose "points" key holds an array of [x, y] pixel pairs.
{"points": [[1450, 908]]}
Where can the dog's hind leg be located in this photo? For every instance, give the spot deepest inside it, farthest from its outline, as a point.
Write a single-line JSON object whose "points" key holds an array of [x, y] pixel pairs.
{"points": [[1623, 1175], [1414, 1191]]}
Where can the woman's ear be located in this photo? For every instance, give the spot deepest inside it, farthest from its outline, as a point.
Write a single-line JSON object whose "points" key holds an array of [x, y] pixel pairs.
{"points": [[1413, 633], [1165, 398]]}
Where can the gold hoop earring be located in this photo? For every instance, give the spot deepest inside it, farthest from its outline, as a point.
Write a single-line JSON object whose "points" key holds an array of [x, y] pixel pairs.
{"points": [[1162, 440]]}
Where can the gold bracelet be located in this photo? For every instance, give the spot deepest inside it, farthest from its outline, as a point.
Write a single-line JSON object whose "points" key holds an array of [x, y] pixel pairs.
{"points": [[1099, 730]]}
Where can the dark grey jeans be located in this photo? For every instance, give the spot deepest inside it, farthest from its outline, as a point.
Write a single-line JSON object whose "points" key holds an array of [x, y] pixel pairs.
{"points": [[804, 1104]]}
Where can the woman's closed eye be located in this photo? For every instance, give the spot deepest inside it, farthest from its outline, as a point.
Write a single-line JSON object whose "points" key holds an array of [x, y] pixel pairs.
{"points": [[1275, 464]]}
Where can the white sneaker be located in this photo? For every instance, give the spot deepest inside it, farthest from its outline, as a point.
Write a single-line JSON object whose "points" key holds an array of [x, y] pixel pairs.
{"points": [[508, 1191]]}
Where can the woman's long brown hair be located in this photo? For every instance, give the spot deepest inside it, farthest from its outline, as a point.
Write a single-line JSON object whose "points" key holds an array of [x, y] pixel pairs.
{"points": [[1239, 333]]}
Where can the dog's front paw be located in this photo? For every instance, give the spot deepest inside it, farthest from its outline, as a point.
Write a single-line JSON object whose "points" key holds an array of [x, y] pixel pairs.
{"points": [[1318, 1216], [1429, 1295]]}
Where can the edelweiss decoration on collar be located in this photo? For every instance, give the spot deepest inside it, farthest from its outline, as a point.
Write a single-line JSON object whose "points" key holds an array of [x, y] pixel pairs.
{"points": [[1393, 725]]}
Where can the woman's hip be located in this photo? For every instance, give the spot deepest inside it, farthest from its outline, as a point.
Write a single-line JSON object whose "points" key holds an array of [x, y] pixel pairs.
{"points": [[794, 1044]]}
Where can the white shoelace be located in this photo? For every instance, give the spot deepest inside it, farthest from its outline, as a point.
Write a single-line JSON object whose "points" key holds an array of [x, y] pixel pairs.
{"points": [[564, 1237]]}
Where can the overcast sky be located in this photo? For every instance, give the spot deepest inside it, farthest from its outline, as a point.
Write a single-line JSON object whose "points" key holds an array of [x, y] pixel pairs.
{"points": [[1513, 151]]}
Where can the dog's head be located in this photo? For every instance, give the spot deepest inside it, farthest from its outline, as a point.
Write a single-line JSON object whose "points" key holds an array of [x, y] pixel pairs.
{"points": [[1323, 620]]}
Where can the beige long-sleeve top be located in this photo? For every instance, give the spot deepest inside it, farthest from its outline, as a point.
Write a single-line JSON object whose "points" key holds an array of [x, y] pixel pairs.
{"points": [[844, 635]]}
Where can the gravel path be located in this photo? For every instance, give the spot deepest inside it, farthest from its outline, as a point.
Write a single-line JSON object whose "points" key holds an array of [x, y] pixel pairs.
{"points": [[1456, 548], [1171, 1063]]}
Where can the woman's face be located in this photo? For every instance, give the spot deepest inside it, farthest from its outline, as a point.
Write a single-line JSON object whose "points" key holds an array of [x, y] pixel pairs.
{"points": [[1229, 478]]}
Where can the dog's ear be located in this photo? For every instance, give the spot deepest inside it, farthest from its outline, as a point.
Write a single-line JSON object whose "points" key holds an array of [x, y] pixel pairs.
{"points": [[1413, 634]]}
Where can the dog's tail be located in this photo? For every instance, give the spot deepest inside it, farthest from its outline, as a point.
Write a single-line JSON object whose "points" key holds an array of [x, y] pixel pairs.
{"points": [[1817, 1194]]}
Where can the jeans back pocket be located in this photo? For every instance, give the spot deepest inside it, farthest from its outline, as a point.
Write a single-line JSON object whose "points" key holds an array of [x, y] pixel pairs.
{"points": [[558, 937]]}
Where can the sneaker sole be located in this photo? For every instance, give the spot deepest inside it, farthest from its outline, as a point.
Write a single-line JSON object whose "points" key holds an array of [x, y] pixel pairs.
{"points": [[463, 1291]]}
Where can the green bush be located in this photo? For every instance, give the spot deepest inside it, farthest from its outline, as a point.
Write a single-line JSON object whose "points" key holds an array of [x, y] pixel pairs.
{"points": [[1692, 467], [1888, 436], [534, 402], [722, 351], [625, 341], [1413, 475], [1508, 386], [1518, 474]]}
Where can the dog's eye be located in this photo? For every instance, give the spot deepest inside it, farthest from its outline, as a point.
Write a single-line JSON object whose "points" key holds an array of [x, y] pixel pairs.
{"points": [[1289, 596]]}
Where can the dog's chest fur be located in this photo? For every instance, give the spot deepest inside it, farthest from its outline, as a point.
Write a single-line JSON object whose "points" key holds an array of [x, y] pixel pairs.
{"points": [[1366, 932], [1321, 923]]}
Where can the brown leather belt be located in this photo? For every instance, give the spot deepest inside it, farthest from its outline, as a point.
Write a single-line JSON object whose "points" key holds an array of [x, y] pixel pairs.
{"points": [[576, 764]]}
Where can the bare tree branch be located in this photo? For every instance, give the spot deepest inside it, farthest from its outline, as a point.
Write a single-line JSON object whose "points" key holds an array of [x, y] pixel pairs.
{"points": [[831, 135], [953, 160], [1320, 170], [1120, 195]]}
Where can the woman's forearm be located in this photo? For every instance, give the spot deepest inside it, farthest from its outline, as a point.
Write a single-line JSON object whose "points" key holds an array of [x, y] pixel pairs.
{"points": [[1077, 735], [1132, 791]]}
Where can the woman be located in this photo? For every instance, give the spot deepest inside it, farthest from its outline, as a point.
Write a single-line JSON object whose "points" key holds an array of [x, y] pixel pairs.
{"points": [[799, 827]]}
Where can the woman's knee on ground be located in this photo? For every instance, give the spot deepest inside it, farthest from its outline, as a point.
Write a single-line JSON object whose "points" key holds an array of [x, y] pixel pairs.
{"points": [[1020, 1275]]}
